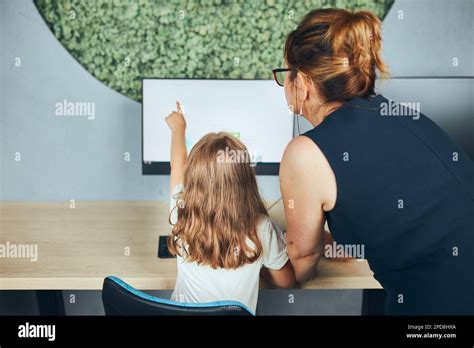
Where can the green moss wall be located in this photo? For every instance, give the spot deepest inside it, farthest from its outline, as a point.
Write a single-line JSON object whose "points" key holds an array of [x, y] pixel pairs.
{"points": [[122, 41]]}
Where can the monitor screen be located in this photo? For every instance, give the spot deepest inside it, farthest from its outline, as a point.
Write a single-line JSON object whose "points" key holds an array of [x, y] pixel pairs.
{"points": [[255, 111]]}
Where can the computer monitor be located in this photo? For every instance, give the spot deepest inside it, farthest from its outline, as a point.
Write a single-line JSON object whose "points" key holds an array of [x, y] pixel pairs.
{"points": [[255, 111]]}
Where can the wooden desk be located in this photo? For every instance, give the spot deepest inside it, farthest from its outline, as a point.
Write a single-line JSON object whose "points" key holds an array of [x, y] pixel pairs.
{"points": [[78, 247]]}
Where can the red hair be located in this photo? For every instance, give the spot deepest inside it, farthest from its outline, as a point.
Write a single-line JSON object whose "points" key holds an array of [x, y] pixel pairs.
{"points": [[339, 50]]}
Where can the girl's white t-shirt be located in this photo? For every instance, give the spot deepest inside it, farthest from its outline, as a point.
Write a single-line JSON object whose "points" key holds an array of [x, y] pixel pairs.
{"points": [[201, 283]]}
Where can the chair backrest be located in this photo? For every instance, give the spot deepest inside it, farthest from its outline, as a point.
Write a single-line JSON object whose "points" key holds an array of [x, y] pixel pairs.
{"points": [[119, 298]]}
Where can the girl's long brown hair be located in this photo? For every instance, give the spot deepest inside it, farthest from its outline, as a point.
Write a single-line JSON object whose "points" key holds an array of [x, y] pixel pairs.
{"points": [[219, 207]]}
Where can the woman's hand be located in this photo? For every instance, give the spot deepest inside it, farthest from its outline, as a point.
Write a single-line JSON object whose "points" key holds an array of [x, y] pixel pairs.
{"points": [[175, 119]]}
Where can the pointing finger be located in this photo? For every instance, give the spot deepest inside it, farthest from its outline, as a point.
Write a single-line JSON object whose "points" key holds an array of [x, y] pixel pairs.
{"points": [[178, 107]]}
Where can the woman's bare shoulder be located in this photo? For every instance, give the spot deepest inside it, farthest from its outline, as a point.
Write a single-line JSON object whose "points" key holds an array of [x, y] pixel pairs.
{"points": [[304, 164]]}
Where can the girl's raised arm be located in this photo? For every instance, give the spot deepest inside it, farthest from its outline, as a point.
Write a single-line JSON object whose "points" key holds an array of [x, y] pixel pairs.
{"points": [[177, 124]]}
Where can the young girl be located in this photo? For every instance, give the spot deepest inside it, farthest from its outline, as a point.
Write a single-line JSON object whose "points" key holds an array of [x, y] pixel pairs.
{"points": [[222, 234]]}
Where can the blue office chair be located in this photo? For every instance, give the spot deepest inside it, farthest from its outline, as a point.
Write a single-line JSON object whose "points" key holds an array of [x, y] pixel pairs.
{"points": [[119, 298]]}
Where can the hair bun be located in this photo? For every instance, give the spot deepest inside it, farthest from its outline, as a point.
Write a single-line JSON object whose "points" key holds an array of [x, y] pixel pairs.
{"points": [[342, 56]]}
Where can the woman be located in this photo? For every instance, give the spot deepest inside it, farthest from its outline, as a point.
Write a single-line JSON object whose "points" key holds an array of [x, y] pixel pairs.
{"points": [[398, 186]]}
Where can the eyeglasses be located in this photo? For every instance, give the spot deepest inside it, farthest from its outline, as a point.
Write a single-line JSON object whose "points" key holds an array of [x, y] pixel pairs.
{"points": [[279, 75]]}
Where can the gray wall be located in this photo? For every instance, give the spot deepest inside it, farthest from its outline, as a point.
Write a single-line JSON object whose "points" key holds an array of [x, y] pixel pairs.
{"points": [[77, 158]]}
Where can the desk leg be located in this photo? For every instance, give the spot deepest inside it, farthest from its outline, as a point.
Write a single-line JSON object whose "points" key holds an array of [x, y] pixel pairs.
{"points": [[373, 302], [50, 302]]}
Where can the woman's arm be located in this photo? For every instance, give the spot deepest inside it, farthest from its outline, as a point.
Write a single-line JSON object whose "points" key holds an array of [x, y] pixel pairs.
{"points": [[308, 189], [283, 277], [177, 124]]}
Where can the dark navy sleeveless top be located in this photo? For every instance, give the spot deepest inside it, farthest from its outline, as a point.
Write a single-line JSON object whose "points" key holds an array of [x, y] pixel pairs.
{"points": [[405, 191]]}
